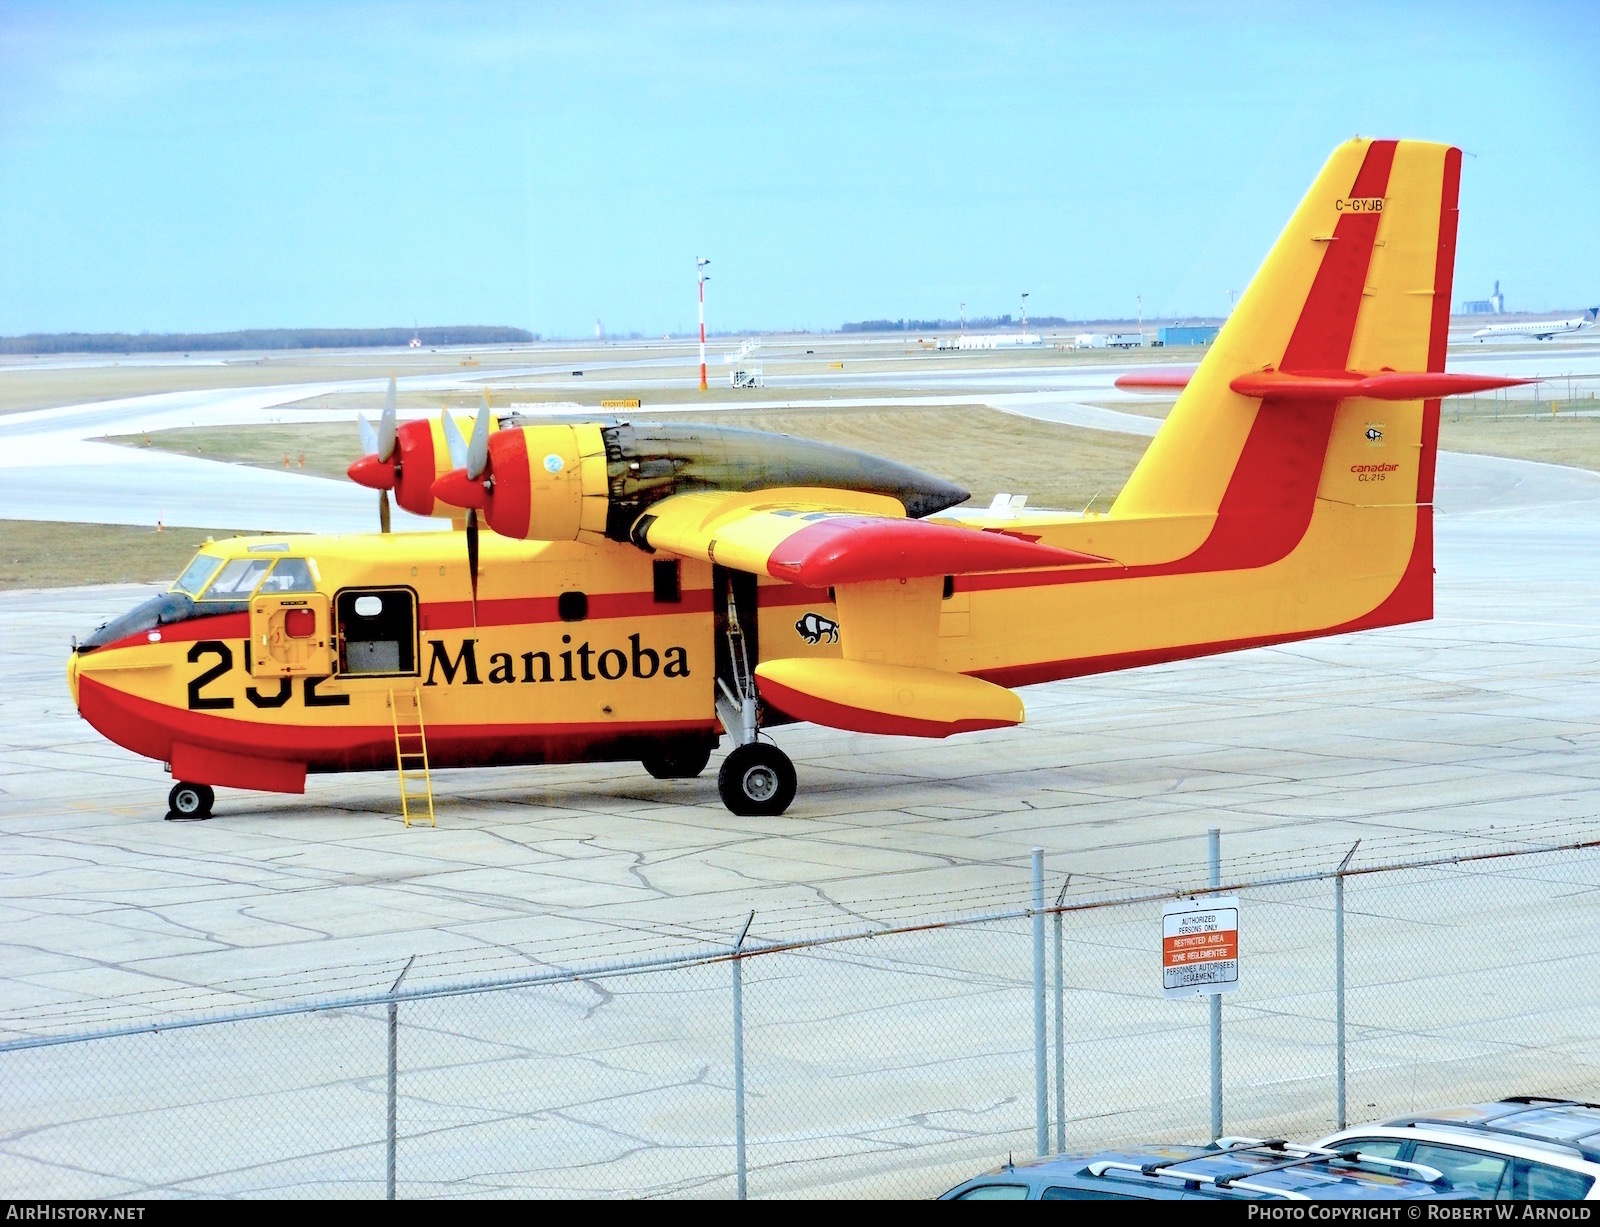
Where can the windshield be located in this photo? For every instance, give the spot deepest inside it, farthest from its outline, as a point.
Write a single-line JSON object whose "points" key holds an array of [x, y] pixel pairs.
{"points": [[193, 579], [238, 579]]}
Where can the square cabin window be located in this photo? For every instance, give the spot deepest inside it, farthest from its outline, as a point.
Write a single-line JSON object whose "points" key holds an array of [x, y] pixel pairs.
{"points": [[290, 575]]}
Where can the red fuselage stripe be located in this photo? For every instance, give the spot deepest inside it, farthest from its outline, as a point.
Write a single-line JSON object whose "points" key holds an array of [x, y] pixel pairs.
{"points": [[151, 728]]}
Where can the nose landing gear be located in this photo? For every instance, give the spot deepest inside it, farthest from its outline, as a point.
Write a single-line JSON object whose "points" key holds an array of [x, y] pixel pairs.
{"points": [[189, 802]]}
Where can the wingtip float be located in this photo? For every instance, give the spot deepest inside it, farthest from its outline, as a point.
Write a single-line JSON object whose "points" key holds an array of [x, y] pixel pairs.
{"points": [[648, 591]]}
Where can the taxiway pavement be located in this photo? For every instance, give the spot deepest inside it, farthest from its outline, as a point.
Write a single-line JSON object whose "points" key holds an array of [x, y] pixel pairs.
{"points": [[1477, 730]]}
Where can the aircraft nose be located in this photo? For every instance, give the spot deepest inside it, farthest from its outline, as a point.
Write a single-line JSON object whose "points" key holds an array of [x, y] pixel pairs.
{"points": [[72, 675]]}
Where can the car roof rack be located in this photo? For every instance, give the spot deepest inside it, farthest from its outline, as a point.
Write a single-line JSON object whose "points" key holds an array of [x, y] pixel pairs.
{"points": [[1297, 1156], [1431, 1175], [1576, 1146], [1101, 1166], [1557, 1100], [1422, 1171]]}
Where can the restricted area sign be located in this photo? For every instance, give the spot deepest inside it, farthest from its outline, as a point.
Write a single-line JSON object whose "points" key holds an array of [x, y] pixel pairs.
{"points": [[1200, 946]]}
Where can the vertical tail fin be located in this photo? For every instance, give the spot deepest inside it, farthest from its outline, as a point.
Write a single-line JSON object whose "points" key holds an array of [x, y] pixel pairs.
{"points": [[1359, 280]]}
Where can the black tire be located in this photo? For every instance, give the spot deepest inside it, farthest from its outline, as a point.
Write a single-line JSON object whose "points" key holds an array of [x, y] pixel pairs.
{"points": [[680, 761], [190, 802], [757, 781]]}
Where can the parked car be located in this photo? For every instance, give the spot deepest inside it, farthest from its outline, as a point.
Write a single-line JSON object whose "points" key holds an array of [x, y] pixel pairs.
{"points": [[1525, 1148], [1230, 1168]]}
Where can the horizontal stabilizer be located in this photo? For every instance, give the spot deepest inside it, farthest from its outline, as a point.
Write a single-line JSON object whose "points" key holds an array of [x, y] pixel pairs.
{"points": [[1381, 385], [1159, 378], [849, 549], [867, 697]]}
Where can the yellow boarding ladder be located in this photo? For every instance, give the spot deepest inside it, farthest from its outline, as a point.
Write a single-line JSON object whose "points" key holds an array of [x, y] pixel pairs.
{"points": [[411, 757]]}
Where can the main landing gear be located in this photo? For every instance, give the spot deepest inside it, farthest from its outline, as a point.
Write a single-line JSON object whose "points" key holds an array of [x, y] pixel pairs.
{"points": [[679, 762], [757, 779], [189, 802]]}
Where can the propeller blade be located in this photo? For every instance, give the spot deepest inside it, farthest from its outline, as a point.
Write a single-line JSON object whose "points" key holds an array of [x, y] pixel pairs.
{"points": [[383, 511], [369, 436], [478, 448], [386, 426], [472, 559], [454, 441]]}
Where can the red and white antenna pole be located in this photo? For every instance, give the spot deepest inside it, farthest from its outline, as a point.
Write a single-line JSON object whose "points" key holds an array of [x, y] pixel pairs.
{"points": [[700, 267]]}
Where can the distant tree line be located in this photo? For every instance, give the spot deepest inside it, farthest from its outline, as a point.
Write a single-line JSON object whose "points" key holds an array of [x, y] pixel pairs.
{"points": [[979, 323], [257, 338]]}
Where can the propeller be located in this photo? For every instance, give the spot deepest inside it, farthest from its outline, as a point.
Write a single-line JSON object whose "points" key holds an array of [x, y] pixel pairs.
{"points": [[471, 458], [379, 468]]}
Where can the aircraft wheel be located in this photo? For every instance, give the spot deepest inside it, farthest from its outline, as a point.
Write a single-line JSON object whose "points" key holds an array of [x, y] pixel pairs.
{"points": [[757, 780], [678, 762], [189, 802]]}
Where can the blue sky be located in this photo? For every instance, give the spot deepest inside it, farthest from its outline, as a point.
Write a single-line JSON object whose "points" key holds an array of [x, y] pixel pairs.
{"points": [[176, 167]]}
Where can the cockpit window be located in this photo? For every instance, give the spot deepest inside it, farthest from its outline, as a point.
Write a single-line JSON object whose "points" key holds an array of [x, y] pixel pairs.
{"points": [[290, 575], [238, 579], [193, 579]]}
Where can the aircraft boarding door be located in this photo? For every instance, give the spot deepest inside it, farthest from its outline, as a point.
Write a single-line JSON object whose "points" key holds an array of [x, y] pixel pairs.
{"points": [[377, 632], [291, 636]]}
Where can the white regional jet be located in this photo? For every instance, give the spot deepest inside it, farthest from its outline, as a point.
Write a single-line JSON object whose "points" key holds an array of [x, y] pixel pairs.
{"points": [[1539, 330]]}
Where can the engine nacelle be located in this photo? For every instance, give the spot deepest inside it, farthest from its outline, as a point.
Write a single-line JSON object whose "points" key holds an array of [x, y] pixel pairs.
{"points": [[548, 483], [562, 481]]}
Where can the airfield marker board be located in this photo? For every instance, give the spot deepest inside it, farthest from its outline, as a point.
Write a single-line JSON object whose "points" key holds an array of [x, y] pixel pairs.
{"points": [[1200, 946]]}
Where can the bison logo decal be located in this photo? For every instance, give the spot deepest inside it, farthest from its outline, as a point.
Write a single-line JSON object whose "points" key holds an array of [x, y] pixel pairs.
{"points": [[814, 628]]}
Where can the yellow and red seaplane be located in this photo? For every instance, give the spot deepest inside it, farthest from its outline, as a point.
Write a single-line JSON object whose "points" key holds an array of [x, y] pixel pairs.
{"points": [[646, 591]]}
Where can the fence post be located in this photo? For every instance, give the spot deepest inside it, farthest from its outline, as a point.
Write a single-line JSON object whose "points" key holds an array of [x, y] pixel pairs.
{"points": [[1041, 1071], [1061, 1030], [1338, 975], [394, 1078], [738, 1058], [1214, 1000]]}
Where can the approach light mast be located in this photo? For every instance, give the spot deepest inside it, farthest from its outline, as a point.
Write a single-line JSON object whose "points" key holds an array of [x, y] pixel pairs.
{"points": [[700, 263]]}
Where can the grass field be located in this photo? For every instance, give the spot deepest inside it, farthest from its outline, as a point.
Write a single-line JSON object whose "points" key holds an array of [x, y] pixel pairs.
{"points": [[1555, 432], [323, 449], [43, 554], [1550, 432]]}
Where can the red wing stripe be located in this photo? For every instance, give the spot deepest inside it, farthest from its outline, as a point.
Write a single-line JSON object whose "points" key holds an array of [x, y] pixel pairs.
{"points": [[859, 549]]}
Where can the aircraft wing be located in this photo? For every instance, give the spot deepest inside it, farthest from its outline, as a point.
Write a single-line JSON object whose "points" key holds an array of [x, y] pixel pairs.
{"points": [[886, 573], [823, 538]]}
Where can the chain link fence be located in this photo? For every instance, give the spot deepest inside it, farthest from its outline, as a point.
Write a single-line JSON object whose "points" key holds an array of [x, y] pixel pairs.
{"points": [[892, 1062]]}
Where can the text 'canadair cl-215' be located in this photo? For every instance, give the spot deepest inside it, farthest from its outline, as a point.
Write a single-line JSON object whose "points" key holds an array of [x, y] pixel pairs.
{"points": [[645, 591]]}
